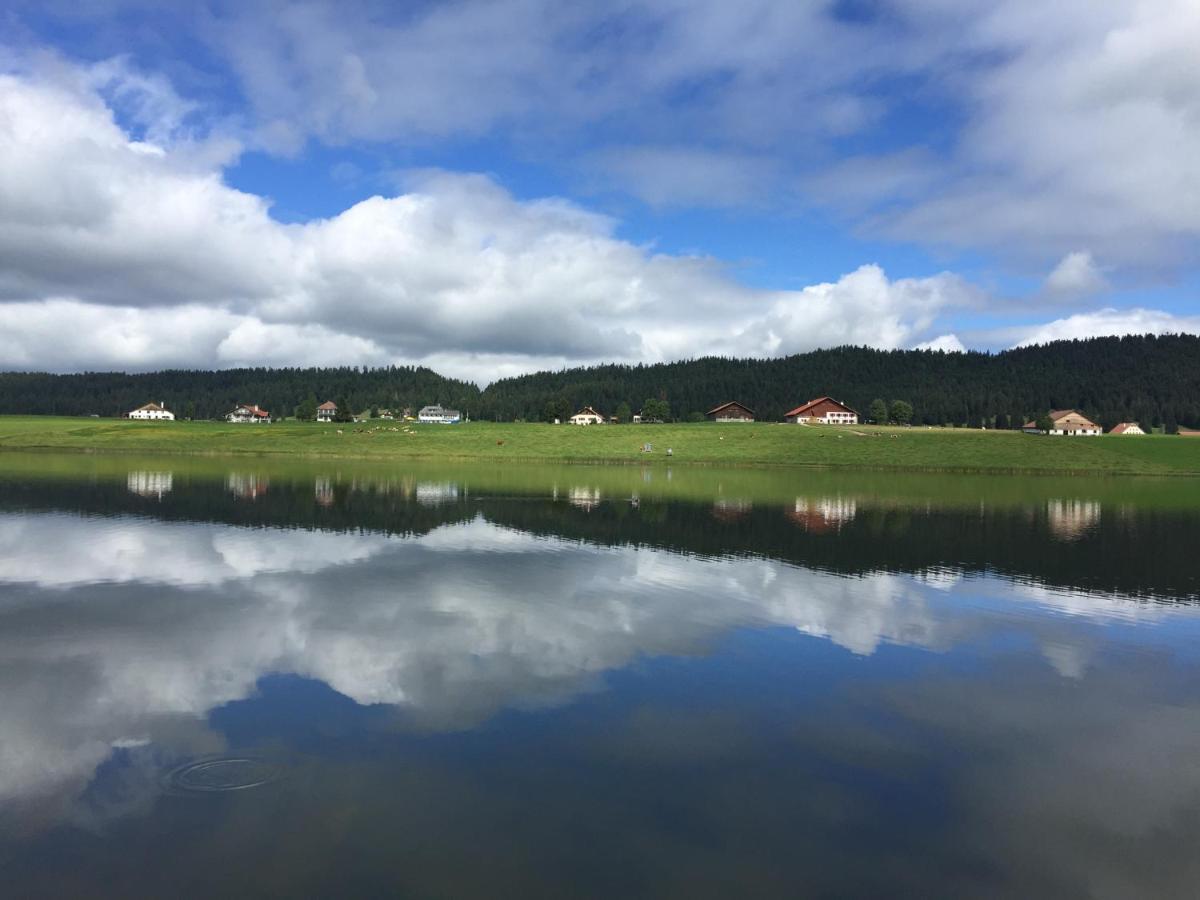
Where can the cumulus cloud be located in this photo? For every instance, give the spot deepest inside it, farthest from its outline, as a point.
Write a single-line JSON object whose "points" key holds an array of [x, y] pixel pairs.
{"points": [[120, 254], [1076, 275], [1107, 322]]}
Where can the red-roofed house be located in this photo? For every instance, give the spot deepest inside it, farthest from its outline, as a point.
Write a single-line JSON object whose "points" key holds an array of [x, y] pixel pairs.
{"points": [[327, 411], [822, 411], [1127, 428], [249, 413]]}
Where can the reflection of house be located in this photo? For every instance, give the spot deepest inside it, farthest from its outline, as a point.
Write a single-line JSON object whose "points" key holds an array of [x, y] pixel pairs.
{"points": [[1069, 520], [1066, 421], [1127, 428], [731, 412], [327, 411], [247, 486], [323, 492], [819, 516], [584, 497], [150, 484], [437, 415], [152, 411], [822, 411], [433, 493], [249, 413], [725, 510], [587, 416]]}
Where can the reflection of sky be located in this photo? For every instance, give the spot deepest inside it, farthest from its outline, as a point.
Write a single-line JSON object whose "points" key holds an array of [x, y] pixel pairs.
{"points": [[133, 637]]}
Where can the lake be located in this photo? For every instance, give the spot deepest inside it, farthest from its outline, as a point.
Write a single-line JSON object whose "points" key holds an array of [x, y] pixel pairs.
{"points": [[238, 677]]}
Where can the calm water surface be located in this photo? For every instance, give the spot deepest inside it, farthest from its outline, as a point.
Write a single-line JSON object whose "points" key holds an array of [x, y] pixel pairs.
{"points": [[228, 679]]}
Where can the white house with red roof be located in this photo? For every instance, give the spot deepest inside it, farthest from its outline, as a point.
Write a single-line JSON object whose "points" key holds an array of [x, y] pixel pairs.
{"points": [[822, 411], [249, 413], [327, 411], [1127, 428]]}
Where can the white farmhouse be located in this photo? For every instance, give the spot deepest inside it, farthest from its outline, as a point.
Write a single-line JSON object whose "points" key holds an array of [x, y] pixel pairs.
{"points": [[249, 413], [1068, 422], [587, 416], [438, 415], [152, 411]]}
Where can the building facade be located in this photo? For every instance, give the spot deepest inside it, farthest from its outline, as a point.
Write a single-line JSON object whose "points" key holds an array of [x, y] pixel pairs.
{"points": [[327, 411], [439, 415], [587, 416], [248, 414], [822, 411], [731, 412], [1127, 428], [152, 411], [1066, 422]]}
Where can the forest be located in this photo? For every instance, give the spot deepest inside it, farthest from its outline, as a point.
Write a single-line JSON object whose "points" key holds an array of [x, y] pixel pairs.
{"points": [[1153, 380]]}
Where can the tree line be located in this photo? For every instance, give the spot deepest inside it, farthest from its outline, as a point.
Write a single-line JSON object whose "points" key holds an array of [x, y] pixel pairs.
{"points": [[1152, 380]]}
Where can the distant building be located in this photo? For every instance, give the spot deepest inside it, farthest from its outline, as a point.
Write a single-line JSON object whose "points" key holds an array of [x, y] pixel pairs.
{"points": [[386, 414], [249, 414], [152, 411], [822, 411], [1066, 421], [1127, 428], [587, 416], [438, 415], [327, 411], [1188, 432], [731, 412]]}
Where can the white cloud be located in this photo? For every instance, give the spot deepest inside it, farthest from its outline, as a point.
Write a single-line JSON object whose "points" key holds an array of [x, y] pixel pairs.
{"points": [[1105, 322], [1076, 275], [115, 257], [947, 343]]}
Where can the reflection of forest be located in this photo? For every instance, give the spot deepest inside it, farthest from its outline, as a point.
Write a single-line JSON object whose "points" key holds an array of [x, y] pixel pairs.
{"points": [[1068, 543]]}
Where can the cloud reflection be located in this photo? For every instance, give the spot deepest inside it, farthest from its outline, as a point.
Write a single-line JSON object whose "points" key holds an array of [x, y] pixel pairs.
{"points": [[141, 630]]}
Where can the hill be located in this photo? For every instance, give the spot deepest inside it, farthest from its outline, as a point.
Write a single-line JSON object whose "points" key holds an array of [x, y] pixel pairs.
{"points": [[1148, 379]]}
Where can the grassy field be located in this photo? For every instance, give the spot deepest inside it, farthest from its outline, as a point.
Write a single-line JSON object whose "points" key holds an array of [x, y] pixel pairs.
{"points": [[765, 444]]}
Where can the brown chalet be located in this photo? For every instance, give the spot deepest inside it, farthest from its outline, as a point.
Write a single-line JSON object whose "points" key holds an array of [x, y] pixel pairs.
{"points": [[822, 411], [731, 412]]}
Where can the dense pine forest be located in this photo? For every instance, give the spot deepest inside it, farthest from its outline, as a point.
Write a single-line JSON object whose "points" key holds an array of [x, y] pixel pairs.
{"points": [[209, 395], [1147, 379]]}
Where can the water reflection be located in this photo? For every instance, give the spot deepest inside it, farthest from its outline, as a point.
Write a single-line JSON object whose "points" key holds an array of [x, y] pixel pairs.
{"points": [[150, 484], [863, 696]]}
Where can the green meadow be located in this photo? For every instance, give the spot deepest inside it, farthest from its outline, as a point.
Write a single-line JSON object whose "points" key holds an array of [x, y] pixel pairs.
{"points": [[759, 444]]}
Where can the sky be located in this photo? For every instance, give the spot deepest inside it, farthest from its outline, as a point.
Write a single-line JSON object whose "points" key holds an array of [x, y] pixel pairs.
{"points": [[490, 188]]}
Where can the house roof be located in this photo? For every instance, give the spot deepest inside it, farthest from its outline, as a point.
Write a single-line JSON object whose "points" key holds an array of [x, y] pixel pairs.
{"points": [[1056, 414], [588, 411], [253, 409], [328, 404], [717, 409], [1122, 427], [801, 410], [151, 407]]}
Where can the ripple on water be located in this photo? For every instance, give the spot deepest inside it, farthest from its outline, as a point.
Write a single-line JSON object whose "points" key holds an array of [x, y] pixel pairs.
{"points": [[227, 773]]}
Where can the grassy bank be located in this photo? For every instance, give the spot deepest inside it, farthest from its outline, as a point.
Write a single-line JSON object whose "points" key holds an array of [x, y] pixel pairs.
{"points": [[861, 447]]}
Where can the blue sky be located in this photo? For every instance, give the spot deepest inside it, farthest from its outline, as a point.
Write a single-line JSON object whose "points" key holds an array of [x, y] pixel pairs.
{"points": [[504, 186]]}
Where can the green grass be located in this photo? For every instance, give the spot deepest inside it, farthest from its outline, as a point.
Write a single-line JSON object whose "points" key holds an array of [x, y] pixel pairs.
{"points": [[859, 447]]}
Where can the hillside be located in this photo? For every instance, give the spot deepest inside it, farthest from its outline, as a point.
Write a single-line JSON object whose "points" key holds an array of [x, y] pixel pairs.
{"points": [[1147, 379], [1153, 380]]}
